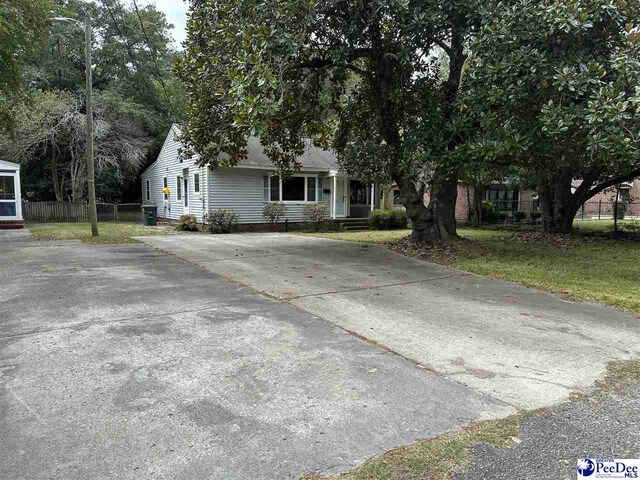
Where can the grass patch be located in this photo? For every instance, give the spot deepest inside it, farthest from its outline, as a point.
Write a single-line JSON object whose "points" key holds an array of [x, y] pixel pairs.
{"points": [[621, 375], [437, 458], [110, 233], [587, 266], [374, 236], [601, 270]]}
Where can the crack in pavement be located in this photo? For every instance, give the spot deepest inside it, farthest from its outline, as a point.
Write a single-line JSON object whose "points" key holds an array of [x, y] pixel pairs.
{"points": [[347, 290]]}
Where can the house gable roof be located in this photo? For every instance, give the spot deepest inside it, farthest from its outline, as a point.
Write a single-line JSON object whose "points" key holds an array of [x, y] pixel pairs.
{"points": [[172, 132], [313, 158], [4, 165]]}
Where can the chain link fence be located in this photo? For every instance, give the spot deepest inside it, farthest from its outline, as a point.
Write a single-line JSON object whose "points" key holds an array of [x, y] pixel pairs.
{"points": [[506, 211], [604, 210]]}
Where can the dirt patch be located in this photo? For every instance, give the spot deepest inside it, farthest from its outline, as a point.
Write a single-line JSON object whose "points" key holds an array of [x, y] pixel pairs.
{"points": [[438, 251]]}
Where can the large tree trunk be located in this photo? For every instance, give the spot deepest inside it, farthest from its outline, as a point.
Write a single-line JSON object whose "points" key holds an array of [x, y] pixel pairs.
{"points": [[443, 204], [475, 204], [559, 204], [437, 221]]}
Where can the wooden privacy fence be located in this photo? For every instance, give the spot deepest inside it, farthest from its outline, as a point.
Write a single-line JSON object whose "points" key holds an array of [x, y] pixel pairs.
{"points": [[55, 211], [79, 212]]}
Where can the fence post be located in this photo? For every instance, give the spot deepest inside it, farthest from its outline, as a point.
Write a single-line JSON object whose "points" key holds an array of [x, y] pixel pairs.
{"points": [[583, 211], [599, 208], [115, 212]]}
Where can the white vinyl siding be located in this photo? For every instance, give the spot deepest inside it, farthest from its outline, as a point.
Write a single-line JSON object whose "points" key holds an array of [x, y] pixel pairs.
{"points": [[245, 191], [168, 168]]}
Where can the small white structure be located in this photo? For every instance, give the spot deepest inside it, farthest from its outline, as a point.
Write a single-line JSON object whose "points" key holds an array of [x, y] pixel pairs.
{"points": [[10, 197]]}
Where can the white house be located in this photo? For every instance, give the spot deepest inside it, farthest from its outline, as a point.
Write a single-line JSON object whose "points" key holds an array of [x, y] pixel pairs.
{"points": [[10, 197], [247, 187]]}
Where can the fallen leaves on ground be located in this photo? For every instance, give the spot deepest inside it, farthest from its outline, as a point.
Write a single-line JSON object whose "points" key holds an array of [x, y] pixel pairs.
{"points": [[444, 252]]}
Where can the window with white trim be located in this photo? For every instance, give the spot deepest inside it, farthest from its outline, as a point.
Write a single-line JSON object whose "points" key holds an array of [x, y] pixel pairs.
{"points": [[179, 189], [147, 190], [293, 189], [164, 185], [196, 182], [311, 189], [265, 189], [275, 189]]}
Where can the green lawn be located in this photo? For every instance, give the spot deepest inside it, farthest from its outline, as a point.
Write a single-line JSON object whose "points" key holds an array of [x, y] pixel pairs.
{"points": [[594, 269], [110, 232]]}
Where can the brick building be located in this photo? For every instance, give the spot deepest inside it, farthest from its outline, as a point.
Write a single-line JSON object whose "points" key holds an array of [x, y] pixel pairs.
{"points": [[507, 198], [603, 204], [510, 199]]}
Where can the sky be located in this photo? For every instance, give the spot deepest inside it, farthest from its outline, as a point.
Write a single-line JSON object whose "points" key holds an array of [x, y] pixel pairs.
{"points": [[176, 12]]}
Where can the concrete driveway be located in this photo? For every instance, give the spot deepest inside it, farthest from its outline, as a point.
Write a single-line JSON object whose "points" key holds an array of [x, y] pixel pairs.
{"points": [[523, 347], [121, 362]]}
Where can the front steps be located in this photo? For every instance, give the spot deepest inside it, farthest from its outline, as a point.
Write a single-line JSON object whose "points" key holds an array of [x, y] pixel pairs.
{"points": [[353, 224], [11, 224]]}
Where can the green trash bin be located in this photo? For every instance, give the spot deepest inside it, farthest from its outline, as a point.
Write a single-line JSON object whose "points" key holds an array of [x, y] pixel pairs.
{"points": [[150, 215]]}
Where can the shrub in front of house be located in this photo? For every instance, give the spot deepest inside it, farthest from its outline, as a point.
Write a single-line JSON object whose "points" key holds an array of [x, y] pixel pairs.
{"points": [[314, 215], [535, 216], [399, 219], [274, 211], [489, 212], [187, 223], [392, 219], [519, 216], [223, 220]]}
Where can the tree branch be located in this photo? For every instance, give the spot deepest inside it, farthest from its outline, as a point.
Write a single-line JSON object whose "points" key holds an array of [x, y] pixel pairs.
{"points": [[585, 186], [612, 182]]}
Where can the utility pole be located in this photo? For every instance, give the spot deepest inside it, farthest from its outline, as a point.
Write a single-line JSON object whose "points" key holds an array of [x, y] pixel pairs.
{"points": [[91, 174], [89, 154]]}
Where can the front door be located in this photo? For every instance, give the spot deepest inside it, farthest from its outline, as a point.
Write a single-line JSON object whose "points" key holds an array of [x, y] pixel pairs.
{"points": [[185, 179], [9, 207], [341, 197]]}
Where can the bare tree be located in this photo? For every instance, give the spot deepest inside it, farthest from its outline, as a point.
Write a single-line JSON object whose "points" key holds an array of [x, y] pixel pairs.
{"points": [[53, 130]]}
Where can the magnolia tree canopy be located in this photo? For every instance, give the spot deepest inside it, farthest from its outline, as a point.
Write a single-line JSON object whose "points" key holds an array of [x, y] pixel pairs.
{"points": [[553, 94]]}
